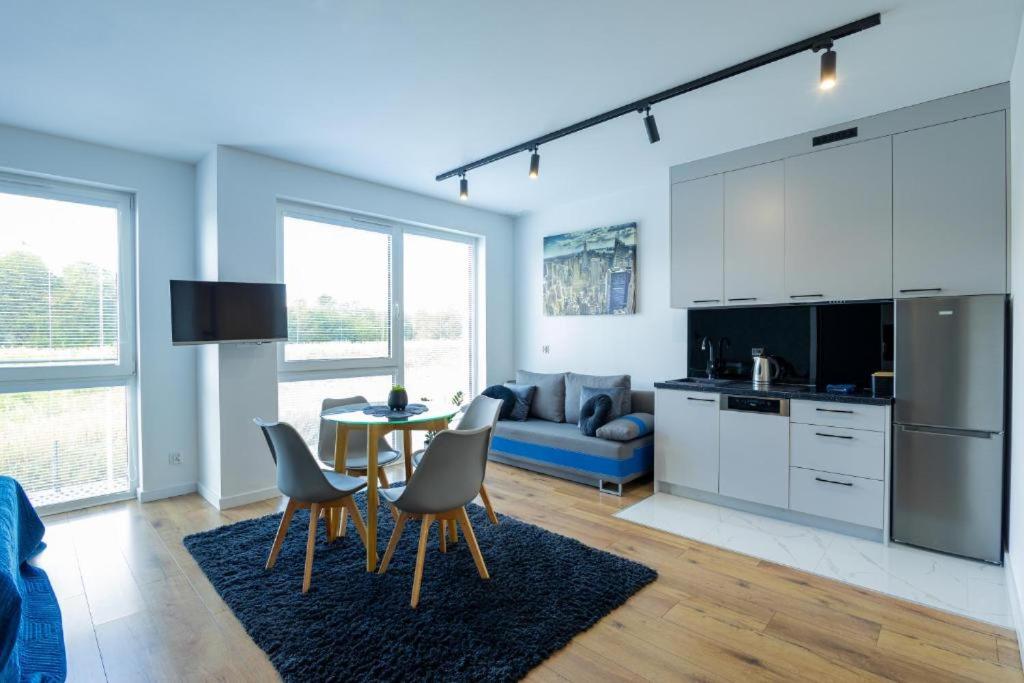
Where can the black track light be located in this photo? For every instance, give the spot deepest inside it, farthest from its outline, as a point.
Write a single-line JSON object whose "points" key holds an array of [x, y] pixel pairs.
{"points": [[534, 164], [828, 69], [652, 126], [464, 188]]}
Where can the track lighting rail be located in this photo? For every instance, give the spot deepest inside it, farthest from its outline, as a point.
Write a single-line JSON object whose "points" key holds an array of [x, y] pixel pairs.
{"points": [[643, 104]]}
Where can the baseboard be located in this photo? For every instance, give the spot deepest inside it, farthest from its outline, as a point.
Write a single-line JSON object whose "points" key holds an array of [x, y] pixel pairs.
{"points": [[208, 495], [150, 495], [247, 498], [1014, 596]]}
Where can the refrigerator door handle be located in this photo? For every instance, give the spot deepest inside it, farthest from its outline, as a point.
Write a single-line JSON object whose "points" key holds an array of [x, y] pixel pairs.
{"points": [[945, 431]]}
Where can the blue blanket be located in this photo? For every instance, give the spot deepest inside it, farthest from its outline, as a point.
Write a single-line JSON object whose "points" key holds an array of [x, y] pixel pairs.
{"points": [[31, 637]]}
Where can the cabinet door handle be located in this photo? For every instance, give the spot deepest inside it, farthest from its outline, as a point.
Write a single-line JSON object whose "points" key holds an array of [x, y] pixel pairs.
{"points": [[706, 301], [834, 410], [921, 289], [832, 436], [743, 298], [702, 400], [804, 296], [829, 481]]}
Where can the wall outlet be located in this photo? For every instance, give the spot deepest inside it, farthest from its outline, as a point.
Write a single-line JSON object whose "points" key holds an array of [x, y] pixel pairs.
{"points": [[174, 458], [545, 349]]}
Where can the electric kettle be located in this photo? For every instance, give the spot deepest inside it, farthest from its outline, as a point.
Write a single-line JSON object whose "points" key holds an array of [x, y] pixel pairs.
{"points": [[766, 368]]}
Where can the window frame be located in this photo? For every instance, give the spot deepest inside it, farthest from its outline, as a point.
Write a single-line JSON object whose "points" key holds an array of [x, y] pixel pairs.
{"points": [[290, 371], [124, 204], [43, 376]]}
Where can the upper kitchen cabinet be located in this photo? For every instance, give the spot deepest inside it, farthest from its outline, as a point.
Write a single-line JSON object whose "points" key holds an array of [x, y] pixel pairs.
{"points": [[949, 208], [839, 223], [755, 229], [697, 242]]}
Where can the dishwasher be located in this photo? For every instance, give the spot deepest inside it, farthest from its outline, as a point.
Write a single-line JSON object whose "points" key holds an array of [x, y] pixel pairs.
{"points": [[754, 449]]}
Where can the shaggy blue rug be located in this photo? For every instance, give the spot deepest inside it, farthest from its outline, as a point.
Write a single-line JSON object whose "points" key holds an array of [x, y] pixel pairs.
{"points": [[355, 626]]}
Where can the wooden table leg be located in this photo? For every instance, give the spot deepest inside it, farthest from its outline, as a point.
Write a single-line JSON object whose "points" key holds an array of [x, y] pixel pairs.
{"points": [[407, 447], [340, 455], [371, 497]]}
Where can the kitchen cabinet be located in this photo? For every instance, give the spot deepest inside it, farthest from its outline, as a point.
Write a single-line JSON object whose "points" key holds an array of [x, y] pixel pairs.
{"points": [[754, 457], [949, 208], [755, 230], [696, 243], [686, 444], [838, 205], [837, 496]]}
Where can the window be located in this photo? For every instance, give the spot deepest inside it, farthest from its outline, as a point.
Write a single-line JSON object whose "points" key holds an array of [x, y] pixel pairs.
{"points": [[339, 291], [66, 347], [344, 274], [438, 320]]}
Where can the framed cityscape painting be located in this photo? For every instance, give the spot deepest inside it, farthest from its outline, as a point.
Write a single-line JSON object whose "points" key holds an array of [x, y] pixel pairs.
{"points": [[591, 272]]}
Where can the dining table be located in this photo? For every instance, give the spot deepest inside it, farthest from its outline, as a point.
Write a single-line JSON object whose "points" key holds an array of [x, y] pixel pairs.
{"points": [[435, 417]]}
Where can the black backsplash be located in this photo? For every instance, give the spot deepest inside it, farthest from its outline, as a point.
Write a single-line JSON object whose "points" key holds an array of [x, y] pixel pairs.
{"points": [[815, 344]]}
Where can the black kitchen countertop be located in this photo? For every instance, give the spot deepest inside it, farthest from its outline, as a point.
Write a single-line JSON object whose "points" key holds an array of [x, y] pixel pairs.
{"points": [[791, 391]]}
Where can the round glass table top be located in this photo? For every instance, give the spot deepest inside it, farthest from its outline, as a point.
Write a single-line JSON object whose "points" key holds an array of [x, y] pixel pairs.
{"points": [[353, 414]]}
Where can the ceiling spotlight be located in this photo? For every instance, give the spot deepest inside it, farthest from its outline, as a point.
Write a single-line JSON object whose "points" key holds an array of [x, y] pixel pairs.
{"points": [[464, 188], [828, 68], [534, 164], [651, 125]]}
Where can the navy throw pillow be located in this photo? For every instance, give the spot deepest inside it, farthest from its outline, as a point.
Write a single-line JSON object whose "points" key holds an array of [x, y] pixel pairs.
{"points": [[503, 394], [595, 413]]}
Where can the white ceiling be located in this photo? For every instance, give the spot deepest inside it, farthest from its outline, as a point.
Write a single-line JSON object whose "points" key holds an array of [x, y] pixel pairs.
{"points": [[398, 91]]}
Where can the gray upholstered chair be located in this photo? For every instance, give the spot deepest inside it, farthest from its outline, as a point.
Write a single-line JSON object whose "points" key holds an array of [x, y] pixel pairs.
{"points": [[448, 478], [306, 485], [481, 412], [355, 455]]}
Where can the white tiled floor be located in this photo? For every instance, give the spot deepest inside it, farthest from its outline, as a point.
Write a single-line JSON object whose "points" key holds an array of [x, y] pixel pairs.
{"points": [[974, 589]]}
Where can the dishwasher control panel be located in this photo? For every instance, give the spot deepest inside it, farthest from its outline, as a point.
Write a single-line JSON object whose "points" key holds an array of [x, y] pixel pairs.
{"points": [[751, 404]]}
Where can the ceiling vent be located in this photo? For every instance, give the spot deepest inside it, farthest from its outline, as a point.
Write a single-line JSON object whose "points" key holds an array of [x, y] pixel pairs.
{"points": [[828, 138]]}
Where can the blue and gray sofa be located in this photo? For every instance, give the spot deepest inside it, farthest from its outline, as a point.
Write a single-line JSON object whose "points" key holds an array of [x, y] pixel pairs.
{"points": [[550, 440]]}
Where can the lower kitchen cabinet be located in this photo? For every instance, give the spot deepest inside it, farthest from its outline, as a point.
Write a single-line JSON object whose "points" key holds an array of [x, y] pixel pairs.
{"points": [[686, 443], [754, 457], [837, 496]]}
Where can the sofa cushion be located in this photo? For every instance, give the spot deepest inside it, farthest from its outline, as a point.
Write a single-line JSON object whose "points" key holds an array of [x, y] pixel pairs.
{"points": [[503, 394], [523, 400], [575, 382], [549, 399], [627, 427], [594, 413], [616, 394]]}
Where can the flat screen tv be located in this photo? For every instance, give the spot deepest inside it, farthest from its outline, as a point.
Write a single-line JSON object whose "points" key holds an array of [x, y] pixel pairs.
{"points": [[221, 312]]}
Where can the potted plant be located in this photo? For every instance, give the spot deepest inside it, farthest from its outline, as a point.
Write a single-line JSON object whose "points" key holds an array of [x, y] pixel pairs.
{"points": [[398, 399]]}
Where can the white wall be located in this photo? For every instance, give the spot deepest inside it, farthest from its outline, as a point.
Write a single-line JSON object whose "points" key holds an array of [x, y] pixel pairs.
{"points": [[165, 241], [241, 244], [650, 345], [1015, 555]]}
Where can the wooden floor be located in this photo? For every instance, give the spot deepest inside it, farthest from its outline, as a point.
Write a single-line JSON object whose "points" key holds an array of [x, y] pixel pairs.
{"points": [[137, 607]]}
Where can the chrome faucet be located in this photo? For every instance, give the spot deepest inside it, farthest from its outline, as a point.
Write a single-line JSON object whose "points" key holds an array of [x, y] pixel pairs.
{"points": [[708, 345]]}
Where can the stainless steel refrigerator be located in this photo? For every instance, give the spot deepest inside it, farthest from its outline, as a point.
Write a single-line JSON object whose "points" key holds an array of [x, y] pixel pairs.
{"points": [[949, 414]]}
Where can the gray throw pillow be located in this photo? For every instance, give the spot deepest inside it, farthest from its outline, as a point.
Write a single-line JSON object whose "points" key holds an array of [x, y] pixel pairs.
{"points": [[524, 398], [574, 382], [549, 399], [616, 394], [627, 427]]}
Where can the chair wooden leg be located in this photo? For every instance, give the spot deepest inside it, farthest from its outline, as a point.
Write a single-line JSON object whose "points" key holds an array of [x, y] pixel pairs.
{"points": [[314, 517], [453, 531], [467, 531], [382, 477], [417, 577], [396, 535], [282, 529], [487, 505], [442, 532], [332, 521], [342, 522], [357, 519]]}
